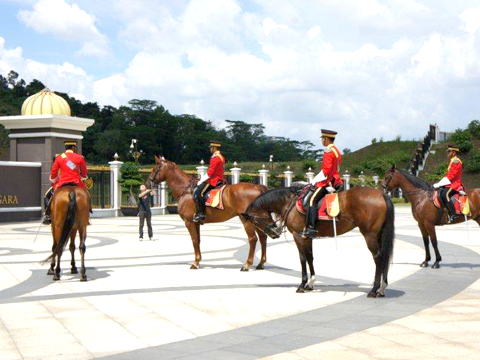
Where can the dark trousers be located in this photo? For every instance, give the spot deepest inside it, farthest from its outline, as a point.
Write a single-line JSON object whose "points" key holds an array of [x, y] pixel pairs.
{"points": [[312, 216], [142, 216], [447, 199], [199, 196]]}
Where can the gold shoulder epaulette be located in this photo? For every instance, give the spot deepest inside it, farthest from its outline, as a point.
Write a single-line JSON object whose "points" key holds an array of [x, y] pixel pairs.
{"points": [[63, 155]]}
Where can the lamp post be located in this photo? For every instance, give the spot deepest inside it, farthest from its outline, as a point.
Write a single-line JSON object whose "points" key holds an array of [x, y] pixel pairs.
{"points": [[134, 150], [271, 162]]}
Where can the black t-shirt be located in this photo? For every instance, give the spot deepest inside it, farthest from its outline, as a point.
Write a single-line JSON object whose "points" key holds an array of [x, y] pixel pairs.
{"points": [[144, 203]]}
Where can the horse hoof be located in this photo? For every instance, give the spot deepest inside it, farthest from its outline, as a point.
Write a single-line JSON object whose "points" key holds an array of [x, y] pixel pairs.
{"points": [[83, 278], [74, 271], [244, 268], [194, 267], [301, 290], [308, 288], [50, 272], [380, 294], [424, 264], [436, 265], [372, 294], [260, 267], [56, 278]]}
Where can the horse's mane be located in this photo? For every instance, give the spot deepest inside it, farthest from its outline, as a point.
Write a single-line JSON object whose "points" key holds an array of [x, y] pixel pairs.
{"points": [[415, 181], [273, 198]]}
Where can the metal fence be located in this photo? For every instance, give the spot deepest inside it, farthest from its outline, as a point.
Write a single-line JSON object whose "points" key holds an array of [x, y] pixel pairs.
{"points": [[100, 186]]}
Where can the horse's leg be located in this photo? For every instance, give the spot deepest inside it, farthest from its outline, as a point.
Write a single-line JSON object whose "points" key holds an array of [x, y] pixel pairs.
{"points": [[194, 230], [263, 243], [299, 240], [433, 237], [83, 248], [309, 254], [426, 244], [373, 244], [73, 234], [58, 270], [51, 271], [252, 242]]}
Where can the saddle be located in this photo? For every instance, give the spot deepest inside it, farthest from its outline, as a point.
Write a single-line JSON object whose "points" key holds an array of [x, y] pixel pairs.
{"points": [[214, 198], [328, 209], [461, 203]]}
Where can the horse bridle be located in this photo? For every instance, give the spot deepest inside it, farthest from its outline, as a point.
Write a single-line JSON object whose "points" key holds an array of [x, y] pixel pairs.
{"points": [[155, 173], [386, 182]]}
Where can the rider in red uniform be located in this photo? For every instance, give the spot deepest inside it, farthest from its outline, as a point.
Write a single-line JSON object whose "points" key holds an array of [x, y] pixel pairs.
{"points": [[327, 180], [68, 168], [451, 184], [212, 179]]}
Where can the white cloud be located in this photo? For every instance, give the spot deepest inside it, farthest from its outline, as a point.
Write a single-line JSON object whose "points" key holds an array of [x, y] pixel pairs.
{"points": [[58, 77], [367, 69], [66, 22]]}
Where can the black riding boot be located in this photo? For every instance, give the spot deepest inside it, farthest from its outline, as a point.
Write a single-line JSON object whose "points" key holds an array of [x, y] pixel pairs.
{"points": [[452, 214], [200, 214], [311, 230], [46, 216]]}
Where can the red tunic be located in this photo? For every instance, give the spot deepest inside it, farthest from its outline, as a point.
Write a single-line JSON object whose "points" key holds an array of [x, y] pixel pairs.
{"points": [[71, 168], [332, 159], [215, 170], [454, 174]]}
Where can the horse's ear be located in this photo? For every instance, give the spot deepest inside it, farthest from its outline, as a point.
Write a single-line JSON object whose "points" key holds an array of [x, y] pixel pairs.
{"points": [[393, 167], [157, 159]]}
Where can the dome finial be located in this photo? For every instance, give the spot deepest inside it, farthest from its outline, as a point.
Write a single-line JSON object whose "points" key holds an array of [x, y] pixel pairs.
{"points": [[45, 102]]}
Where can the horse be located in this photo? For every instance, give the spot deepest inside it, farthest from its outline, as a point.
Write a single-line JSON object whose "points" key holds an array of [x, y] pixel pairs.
{"points": [[69, 213], [236, 199], [427, 215], [366, 208]]}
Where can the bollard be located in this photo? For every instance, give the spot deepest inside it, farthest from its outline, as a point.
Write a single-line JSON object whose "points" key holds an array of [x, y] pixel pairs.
{"points": [[115, 186], [202, 169], [310, 175], [346, 177], [263, 176], [375, 179], [288, 177], [235, 177]]}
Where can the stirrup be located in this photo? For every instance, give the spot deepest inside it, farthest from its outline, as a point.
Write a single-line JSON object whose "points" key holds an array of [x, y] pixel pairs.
{"points": [[452, 218], [309, 232], [199, 218]]}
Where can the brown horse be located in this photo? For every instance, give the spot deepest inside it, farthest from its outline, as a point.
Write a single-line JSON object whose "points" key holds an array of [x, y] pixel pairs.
{"points": [[362, 207], [70, 213], [236, 199], [420, 195]]}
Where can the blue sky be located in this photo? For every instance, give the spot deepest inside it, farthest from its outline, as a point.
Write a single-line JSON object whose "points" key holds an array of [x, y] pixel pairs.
{"points": [[371, 68]]}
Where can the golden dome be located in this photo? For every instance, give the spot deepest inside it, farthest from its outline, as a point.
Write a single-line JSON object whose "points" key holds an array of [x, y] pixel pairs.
{"points": [[44, 103]]}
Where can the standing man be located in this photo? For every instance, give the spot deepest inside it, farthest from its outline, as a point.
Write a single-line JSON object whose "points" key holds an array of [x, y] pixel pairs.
{"points": [[451, 184], [212, 179], [68, 168], [144, 211], [328, 178]]}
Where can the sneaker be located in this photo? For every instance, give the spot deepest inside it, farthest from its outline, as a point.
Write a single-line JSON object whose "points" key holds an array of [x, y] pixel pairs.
{"points": [[141, 239]]}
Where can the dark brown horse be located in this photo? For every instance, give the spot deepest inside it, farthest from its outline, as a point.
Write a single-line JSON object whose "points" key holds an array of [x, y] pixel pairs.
{"points": [[362, 207], [236, 199], [69, 213], [420, 195]]}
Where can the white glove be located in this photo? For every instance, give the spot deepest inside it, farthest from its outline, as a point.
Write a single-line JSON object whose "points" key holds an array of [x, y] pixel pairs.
{"points": [[463, 193], [330, 189], [204, 178], [320, 177], [442, 182]]}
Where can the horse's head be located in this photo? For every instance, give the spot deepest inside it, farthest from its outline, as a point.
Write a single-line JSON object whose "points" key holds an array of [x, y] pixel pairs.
{"points": [[390, 181], [158, 172]]}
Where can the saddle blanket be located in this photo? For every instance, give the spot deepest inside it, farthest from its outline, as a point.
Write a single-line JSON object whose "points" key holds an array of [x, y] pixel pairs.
{"points": [[329, 208], [461, 203], [214, 198]]}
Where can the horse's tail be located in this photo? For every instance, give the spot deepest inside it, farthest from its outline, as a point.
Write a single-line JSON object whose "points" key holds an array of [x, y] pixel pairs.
{"points": [[67, 227], [387, 238]]}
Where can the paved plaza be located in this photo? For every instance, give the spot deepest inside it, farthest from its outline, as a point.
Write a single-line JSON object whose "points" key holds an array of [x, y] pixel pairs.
{"points": [[142, 301]]}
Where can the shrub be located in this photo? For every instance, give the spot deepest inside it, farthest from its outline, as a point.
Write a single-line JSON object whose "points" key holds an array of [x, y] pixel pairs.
{"points": [[462, 139], [309, 163], [247, 178], [473, 164], [474, 128], [130, 181], [374, 141], [437, 174]]}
